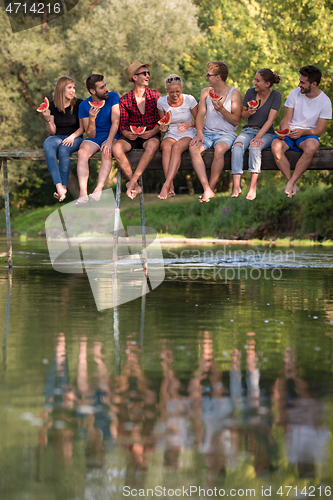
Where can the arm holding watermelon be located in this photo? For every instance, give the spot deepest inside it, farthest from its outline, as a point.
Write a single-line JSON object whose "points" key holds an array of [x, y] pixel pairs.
{"points": [[285, 122], [233, 117], [49, 121]]}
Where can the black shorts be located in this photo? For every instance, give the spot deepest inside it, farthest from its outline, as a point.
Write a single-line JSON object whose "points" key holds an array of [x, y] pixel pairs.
{"points": [[139, 142]]}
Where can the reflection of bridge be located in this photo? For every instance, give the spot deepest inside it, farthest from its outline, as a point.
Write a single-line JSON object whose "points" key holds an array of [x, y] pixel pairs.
{"points": [[322, 161]]}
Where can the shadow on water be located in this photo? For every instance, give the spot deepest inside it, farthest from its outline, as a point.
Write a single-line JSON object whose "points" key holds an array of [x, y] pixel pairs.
{"points": [[207, 384]]}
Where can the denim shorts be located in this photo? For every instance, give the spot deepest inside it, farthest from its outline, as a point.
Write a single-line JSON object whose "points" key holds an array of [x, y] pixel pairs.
{"points": [[293, 143], [212, 138]]}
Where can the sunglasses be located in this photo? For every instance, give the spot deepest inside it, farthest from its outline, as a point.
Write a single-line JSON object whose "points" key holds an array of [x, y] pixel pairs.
{"points": [[146, 73], [173, 79], [208, 75]]}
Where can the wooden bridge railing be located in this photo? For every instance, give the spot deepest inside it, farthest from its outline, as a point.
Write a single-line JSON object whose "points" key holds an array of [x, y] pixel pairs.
{"points": [[323, 160]]}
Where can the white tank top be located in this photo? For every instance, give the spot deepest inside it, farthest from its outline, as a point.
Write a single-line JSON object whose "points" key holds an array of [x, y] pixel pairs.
{"points": [[215, 122]]}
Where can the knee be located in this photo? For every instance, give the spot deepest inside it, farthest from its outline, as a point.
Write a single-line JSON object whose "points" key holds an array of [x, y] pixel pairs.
{"points": [[83, 154], [238, 146], [117, 150], [152, 147], [64, 151], [311, 150]]}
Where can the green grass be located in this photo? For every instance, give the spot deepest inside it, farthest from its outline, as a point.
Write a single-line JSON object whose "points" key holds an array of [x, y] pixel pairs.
{"points": [[306, 217]]}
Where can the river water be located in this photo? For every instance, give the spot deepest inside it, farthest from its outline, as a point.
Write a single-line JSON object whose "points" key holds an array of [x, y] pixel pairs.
{"points": [[220, 378]]}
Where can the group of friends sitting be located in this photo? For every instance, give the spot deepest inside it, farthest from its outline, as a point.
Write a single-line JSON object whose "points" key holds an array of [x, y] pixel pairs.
{"points": [[210, 124]]}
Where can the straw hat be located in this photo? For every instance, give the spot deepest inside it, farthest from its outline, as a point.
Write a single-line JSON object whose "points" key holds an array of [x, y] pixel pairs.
{"points": [[133, 68]]}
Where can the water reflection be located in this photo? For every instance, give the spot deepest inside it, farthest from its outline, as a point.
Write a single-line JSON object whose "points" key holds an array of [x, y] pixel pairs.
{"points": [[222, 416], [201, 383]]}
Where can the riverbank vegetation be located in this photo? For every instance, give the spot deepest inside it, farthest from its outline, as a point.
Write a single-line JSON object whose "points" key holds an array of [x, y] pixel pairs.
{"points": [[309, 215]]}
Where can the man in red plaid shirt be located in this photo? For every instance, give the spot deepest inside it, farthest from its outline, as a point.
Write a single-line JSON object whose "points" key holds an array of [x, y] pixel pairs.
{"points": [[137, 108]]}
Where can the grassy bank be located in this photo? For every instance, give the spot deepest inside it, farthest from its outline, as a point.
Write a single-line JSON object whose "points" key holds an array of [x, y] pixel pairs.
{"points": [[309, 215]]}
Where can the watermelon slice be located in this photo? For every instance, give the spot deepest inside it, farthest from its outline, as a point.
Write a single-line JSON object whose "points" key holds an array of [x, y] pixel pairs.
{"points": [[214, 96], [98, 105], [254, 104], [166, 120], [283, 132], [137, 130], [45, 105]]}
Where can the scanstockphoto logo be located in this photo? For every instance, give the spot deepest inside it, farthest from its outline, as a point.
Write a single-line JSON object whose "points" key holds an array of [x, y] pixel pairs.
{"points": [[30, 13], [81, 240]]}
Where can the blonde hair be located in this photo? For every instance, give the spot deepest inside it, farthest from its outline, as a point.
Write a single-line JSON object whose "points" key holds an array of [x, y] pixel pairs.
{"points": [[59, 94], [173, 79], [219, 68]]}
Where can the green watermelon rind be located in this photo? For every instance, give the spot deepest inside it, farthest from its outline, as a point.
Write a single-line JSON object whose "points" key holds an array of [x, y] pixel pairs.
{"points": [[254, 107], [97, 105], [45, 101], [214, 96], [164, 120]]}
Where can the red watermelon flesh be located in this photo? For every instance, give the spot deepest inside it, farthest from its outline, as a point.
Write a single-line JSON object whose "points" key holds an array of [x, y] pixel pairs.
{"points": [[254, 104], [137, 130], [166, 120], [213, 95], [98, 105], [285, 131], [45, 105]]}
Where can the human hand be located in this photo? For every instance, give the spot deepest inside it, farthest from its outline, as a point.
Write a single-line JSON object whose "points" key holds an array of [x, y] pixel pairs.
{"points": [[46, 112], [93, 112], [163, 127], [257, 141], [252, 111], [68, 141], [106, 147], [147, 134], [296, 133], [184, 126], [197, 140]]}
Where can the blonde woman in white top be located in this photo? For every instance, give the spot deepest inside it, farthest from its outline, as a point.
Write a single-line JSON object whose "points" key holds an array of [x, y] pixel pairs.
{"points": [[179, 133]]}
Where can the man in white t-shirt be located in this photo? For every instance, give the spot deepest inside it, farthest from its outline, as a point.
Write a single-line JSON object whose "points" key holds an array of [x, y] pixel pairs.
{"points": [[307, 113]]}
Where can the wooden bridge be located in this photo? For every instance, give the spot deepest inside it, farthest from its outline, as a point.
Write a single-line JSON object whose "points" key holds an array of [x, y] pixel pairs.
{"points": [[323, 160]]}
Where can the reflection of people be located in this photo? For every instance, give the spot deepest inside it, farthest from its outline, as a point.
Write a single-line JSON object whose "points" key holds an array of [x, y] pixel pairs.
{"points": [[307, 113], [258, 132], [306, 437], [65, 129], [216, 124], [137, 108], [101, 126], [180, 131]]}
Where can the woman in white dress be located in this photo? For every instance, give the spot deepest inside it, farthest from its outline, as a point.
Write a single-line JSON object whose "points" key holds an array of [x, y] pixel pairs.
{"points": [[179, 133]]}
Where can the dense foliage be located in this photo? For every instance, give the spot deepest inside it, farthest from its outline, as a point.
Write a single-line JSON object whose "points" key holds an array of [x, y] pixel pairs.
{"points": [[105, 36]]}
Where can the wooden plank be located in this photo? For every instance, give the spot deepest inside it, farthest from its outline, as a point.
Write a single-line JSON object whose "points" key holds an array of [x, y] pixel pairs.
{"points": [[323, 159]]}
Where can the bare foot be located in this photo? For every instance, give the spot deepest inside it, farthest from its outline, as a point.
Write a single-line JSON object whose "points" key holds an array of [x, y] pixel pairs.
{"points": [[207, 195], [164, 193], [290, 189], [251, 194], [236, 192], [171, 194], [61, 192], [82, 200], [295, 190], [133, 189], [96, 195]]}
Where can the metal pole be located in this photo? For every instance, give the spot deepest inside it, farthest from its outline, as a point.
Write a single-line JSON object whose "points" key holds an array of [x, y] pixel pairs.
{"points": [[116, 221], [8, 229], [143, 229]]}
